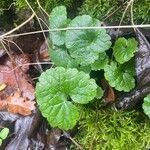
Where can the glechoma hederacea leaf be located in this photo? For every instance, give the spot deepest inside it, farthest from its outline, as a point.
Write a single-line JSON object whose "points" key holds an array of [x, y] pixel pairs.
{"points": [[118, 78], [58, 88], [58, 19], [85, 45], [124, 49]]}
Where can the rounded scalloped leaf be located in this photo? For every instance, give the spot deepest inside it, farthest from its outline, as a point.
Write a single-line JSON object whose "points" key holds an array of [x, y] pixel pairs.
{"points": [[58, 19], [117, 78], [124, 49], [146, 105], [85, 45], [56, 87]]}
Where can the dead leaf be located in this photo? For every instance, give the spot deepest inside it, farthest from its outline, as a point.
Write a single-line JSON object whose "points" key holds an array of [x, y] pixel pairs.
{"points": [[109, 94], [18, 95], [3, 104], [2, 86], [17, 77], [18, 104]]}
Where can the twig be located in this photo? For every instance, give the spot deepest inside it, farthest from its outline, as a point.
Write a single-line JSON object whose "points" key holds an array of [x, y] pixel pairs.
{"points": [[79, 28], [73, 141], [129, 3], [42, 8], [28, 64], [110, 14], [18, 27], [10, 41], [2, 9], [36, 18]]}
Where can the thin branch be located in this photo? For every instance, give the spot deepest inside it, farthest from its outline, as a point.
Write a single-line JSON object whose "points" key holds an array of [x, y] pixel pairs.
{"points": [[27, 64], [42, 8], [10, 41], [18, 27], [112, 13], [123, 15], [2, 9], [36, 18], [79, 28]]}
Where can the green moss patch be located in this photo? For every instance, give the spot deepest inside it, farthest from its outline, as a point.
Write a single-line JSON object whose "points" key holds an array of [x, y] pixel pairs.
{"points": [[113, 130]]}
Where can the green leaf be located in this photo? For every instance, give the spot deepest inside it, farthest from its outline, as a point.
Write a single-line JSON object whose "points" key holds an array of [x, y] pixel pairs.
{"points": [[85, 45], [4, 133], [118, 78], [100, 93], [124, 49], [56, 87], [61, 58], [58, 19], [101, 62], [146, 105], [1, 141]]}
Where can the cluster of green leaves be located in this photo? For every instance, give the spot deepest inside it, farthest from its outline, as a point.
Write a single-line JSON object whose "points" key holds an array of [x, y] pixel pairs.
{"points": [[120, 74], [3, 134], [86, 49], [113, 130], [76, 52], [76, 48]]}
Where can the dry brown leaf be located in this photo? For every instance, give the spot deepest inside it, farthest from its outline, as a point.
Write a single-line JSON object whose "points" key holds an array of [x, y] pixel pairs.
{"points": [[2, 86], [17, 78], [18, 104], [3, 104], [18, 96], [109, 94]]}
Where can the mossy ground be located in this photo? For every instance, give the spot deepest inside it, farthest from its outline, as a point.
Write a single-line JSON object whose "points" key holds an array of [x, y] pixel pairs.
{"points": [[100, 9], [113, 130]]}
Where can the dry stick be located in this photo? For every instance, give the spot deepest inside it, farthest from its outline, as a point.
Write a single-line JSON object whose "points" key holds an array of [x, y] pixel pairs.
{"points": [[18, 27], [8, 7], [79, 28], [3, 43], [129, 3], [44, 22], [40, 27], [42, 8], [27, 64], [109, 15], [131, 12], [14, 44], [36, 18], [73, 141]]}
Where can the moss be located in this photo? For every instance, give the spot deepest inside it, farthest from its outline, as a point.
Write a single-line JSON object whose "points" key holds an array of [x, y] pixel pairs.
{"points": [[101, 8], [48, 5], [113, 130]]}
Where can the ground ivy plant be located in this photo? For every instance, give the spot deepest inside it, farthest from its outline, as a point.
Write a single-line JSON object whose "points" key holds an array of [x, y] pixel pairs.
{"points": [[75, 53]]}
